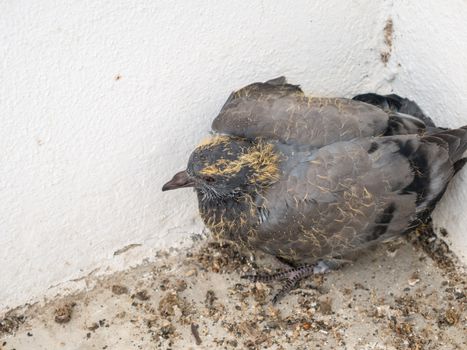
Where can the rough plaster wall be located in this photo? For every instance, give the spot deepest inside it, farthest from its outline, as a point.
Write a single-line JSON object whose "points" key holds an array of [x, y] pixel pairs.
{"points": [[429, 65], [101, 102]]}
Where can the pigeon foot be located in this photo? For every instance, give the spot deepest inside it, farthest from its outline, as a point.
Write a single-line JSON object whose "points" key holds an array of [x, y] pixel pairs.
{"points": [[291, 277]]}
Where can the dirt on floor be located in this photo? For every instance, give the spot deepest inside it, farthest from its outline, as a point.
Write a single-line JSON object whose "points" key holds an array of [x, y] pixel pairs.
{"points": [[407, 294]]}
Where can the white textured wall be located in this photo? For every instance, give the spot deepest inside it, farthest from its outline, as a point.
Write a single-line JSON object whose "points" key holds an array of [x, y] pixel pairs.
{"points": [[102, 101], [429, 65]]}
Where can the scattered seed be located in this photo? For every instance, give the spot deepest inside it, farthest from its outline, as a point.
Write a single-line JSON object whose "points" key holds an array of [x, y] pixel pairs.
{"points": [[191, 273]]}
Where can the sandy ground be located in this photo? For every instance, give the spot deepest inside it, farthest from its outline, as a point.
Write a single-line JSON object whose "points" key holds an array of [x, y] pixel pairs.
{"points": [[403, 295]]}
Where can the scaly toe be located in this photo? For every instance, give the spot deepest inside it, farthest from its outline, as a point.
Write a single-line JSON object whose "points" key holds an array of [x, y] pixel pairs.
{"points": [[286, 288], [265, 277], [291, 277]]}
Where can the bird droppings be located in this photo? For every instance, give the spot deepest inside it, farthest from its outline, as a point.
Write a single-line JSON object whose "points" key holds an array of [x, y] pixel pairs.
{"points": [[63, 312], [414, 279], [209, 301], [10, 323], [142, 295], [119, 290], [374, 303], [194, 331]]}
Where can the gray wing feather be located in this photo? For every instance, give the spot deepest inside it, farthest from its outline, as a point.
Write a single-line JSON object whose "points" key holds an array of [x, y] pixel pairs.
{"points": [[344, 196], [283, 112]]}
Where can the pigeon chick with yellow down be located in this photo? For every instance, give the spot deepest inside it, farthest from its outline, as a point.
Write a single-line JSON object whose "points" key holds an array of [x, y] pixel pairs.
{"points": [[312, 180]]}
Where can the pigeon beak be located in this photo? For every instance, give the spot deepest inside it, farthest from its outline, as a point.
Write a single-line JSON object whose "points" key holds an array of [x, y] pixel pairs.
{"points": [[180, 180]]}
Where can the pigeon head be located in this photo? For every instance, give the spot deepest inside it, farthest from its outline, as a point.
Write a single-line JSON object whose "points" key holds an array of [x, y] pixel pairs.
{"points": [[224, 167]]}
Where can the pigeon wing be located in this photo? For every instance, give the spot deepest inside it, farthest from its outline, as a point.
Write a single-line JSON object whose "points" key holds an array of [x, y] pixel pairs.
{"points": [[343, 197], [280, 111]]}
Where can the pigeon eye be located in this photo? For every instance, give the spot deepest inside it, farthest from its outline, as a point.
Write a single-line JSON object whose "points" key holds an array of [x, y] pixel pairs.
{"points": [[209, 179]]}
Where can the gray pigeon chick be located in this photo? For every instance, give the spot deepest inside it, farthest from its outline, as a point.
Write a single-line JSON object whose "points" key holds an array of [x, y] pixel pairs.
{"points": [[312, 181]]}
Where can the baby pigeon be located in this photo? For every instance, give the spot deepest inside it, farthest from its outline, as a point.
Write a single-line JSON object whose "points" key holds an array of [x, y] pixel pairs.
{"points": [[313, 180]]}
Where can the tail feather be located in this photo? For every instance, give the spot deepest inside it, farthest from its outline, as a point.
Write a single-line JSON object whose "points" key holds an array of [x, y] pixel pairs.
{"points": [[403, 124], [454, 140], [410, 107], [459, 165], [434, 162], [395, 103]]}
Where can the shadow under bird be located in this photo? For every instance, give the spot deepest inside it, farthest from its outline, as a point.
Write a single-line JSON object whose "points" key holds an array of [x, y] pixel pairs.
{"points": [[313, 180]]}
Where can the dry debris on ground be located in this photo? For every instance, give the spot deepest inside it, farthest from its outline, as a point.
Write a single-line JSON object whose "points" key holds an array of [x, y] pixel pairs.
{"points": [[403, 295]]}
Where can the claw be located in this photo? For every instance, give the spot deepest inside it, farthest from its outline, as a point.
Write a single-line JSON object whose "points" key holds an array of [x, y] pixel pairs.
{"points": [[291, 276], [286, 288]]}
